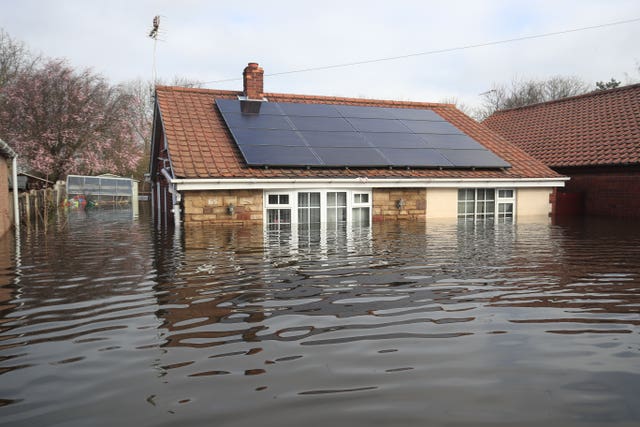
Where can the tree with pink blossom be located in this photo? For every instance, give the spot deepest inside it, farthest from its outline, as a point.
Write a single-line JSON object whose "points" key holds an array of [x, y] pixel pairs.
{"points": [[63, 121]]}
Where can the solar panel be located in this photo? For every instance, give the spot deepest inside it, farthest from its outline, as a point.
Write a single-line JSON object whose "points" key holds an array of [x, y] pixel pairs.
{"points": [[416, 157], [256, 121], [350, 156], [233, 106], [309, 110], [474, 158], [321, 124], [260, 155], [324, 135], [268, 137], [335, 139], [351, 111], [395, 140], [431, 127], [228, 105], [449, 141], [378, 125], [415, 114]]}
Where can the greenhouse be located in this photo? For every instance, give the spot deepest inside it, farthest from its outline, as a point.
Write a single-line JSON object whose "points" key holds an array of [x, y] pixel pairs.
{"points": [[103, 189]]}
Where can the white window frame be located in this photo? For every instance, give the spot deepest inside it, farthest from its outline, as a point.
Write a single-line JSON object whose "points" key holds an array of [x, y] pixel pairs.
{"points": [[506, 200], [360, 204], [498, 199], [293, 202], [309, 207], [268, 206]]}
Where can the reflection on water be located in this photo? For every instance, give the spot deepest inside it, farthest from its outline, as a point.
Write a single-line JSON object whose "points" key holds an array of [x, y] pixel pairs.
{"points": [[110, 321]]}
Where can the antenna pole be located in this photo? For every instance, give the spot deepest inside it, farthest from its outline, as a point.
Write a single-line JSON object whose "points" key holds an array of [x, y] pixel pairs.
{"points": [[155, 29]]}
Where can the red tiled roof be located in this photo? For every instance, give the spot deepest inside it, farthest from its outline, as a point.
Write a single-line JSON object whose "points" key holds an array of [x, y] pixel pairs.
{"points": [[201, 146], [598, 128]]}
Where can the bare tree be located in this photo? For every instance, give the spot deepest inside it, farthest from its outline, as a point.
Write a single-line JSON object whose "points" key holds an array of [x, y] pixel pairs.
{"points": [[631, 79], [459, 105], [183, 82], [140, 94], [559, 87], [14, 58], [526, 92]]}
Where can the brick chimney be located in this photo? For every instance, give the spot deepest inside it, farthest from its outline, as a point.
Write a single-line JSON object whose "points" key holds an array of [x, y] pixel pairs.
{"points": [[253, 77]]}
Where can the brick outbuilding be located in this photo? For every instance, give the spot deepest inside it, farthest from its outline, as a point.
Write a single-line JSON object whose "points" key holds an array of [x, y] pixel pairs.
{"points": [[593, 138]]}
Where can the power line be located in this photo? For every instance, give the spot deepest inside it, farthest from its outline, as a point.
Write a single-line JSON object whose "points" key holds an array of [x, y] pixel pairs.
{"points": [[433, 52]]}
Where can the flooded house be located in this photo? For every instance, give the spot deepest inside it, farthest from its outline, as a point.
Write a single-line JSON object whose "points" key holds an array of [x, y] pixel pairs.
{"points": [[253, 157], [592, 138]]}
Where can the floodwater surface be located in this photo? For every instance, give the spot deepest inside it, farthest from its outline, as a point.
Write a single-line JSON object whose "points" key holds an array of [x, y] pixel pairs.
{"points": [[107, 321]]}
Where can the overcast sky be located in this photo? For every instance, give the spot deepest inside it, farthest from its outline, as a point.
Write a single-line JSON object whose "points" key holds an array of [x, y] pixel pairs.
{"points": [[214, 40]]}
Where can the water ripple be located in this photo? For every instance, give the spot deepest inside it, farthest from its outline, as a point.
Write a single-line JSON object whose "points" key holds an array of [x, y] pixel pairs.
{"points": [[108, 320]]}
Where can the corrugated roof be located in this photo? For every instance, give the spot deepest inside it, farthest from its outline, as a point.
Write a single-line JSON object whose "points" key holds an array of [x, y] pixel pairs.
{"points": [[598, 128], [201, 146]]}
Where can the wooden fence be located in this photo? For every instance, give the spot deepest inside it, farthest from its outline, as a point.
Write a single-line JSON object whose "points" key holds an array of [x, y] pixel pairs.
{"points": [[40, 206]]}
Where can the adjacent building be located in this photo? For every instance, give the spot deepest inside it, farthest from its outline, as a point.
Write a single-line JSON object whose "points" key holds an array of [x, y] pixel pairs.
{"points": [[252, 157], [592, 138], [6, 215]]}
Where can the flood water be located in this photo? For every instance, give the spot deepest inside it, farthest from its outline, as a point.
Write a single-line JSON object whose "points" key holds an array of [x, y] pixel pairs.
{"points": [[106, 321]]}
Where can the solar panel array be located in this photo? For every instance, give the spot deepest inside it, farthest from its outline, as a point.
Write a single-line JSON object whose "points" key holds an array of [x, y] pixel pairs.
{"points": [[322, 135]]}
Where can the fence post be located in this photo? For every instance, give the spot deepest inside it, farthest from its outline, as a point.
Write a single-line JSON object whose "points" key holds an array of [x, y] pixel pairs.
{"points": [[59, 192], [27, 206], [36, 208]]}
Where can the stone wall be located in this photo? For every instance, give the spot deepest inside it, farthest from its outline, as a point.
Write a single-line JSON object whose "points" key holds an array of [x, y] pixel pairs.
{"points": [[385, 204], [212, 207]]}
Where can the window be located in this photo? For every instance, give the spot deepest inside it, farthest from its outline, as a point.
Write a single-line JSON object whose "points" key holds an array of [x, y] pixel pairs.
{"points": [[482, 204], [505, 194], [361, 211], [359, 198], [278, 199], [311, 208], [506, 205], [336, 206], [505, 211], [278, 211]]}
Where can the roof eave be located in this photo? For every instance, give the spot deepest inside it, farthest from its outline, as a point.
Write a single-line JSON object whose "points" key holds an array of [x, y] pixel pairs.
{"points": [[196, 184], [6, 150]]}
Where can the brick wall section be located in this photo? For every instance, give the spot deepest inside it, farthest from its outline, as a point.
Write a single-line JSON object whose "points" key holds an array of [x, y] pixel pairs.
{"points": [[385, 208], [612, 192], [5, 215], [211, 207]]}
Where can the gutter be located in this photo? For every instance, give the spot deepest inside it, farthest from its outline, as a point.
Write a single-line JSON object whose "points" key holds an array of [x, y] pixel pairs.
{"points": [[182, 184], [172, 186], [16, 208], [175, 196]]}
